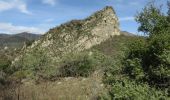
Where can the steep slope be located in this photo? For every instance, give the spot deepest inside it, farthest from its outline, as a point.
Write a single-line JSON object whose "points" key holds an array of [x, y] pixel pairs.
{"points": [[83, 88], [44, 55]]}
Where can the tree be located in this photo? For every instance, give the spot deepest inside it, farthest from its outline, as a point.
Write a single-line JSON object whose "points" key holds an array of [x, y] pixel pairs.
{"points": [[151, 20], [168, 4], [151, 62]]}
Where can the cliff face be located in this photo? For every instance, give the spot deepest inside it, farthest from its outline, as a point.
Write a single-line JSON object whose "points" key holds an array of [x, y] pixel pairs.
{"points": [[74, 36], [82, 34]]}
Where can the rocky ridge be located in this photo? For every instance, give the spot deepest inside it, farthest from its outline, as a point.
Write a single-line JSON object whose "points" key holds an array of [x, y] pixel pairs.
{"points": [[71, 37]]}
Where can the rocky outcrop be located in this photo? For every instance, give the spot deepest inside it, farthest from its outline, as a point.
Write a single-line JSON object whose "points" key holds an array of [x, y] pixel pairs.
{"points": [[74, 36]]}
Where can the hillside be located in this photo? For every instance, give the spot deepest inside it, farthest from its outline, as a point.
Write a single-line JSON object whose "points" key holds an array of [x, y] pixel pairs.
{"points": [[88, 59], [85, 88], [64, 55], [71, 37]]}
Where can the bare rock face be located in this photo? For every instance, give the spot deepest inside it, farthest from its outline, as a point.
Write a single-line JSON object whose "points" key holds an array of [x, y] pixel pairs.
{"points": [[74, 36]]}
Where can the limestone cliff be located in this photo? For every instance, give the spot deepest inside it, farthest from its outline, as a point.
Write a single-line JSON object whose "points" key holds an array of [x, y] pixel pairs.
{"points": [[74, 36]]}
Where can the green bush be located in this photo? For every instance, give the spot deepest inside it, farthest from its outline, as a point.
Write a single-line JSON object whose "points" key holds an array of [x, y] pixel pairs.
{"points": [[137, 48], [32, 65], [150, 62], [134, 69], [2, 78], [159, 59], [83, 64], [134, 61], [144, 72], [78, 65], [151, 58], [4, 63], [129, 90], [152, 20]]}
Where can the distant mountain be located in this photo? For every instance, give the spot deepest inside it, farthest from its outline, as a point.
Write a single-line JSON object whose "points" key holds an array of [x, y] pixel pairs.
{"points": [[28, 36], [2, 35], [17, 40], [127, 33]]}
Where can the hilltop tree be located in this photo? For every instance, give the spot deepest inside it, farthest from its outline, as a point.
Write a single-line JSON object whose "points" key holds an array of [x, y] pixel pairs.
{"points": [[152, 20], [168, 4]]}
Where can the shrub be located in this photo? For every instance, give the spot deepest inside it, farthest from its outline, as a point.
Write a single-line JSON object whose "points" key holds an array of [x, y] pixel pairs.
{"points": [[145, 71], [4, 63], [2, 78], [158, 63], [32, 64], [83, 64], [133, 62], [150, 62], [78, 65], [129, 90], [134, 69]]}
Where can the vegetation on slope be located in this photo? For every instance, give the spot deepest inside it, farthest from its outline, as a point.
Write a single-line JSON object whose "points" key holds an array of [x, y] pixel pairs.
{"points": [[144, 72], [79, 66], [44, 57], [135, 68]]}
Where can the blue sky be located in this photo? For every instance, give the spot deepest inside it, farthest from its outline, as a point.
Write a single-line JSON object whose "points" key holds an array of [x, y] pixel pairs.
{"points": [[38, 16]]}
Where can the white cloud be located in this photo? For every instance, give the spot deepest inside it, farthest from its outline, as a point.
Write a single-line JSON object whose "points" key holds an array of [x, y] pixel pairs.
{"points": [[14, 4], [12, 29], [50, 2], [127, 19]]}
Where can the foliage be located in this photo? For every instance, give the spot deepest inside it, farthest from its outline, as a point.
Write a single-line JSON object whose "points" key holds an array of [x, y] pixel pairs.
{"points": [[152, 20], [152, 63], [82, 64], [143, 73], [158, 60], [149, 60], [123, 76], [168, 4], [78, 65], [137, 71], [129, 90], [4, 63], [32, 65], [2, 78], [134, 69], [133, 61]]}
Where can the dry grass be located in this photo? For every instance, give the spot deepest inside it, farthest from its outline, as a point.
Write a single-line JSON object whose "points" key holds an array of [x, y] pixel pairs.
{"points": [[69, 88]]}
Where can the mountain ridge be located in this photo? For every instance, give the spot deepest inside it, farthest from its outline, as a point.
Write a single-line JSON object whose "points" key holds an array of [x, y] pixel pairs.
{"points": [[17, 40], [71, 37]]}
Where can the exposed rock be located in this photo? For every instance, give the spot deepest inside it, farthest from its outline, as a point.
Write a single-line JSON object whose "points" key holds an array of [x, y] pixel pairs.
{"points": [[5, 48]]}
